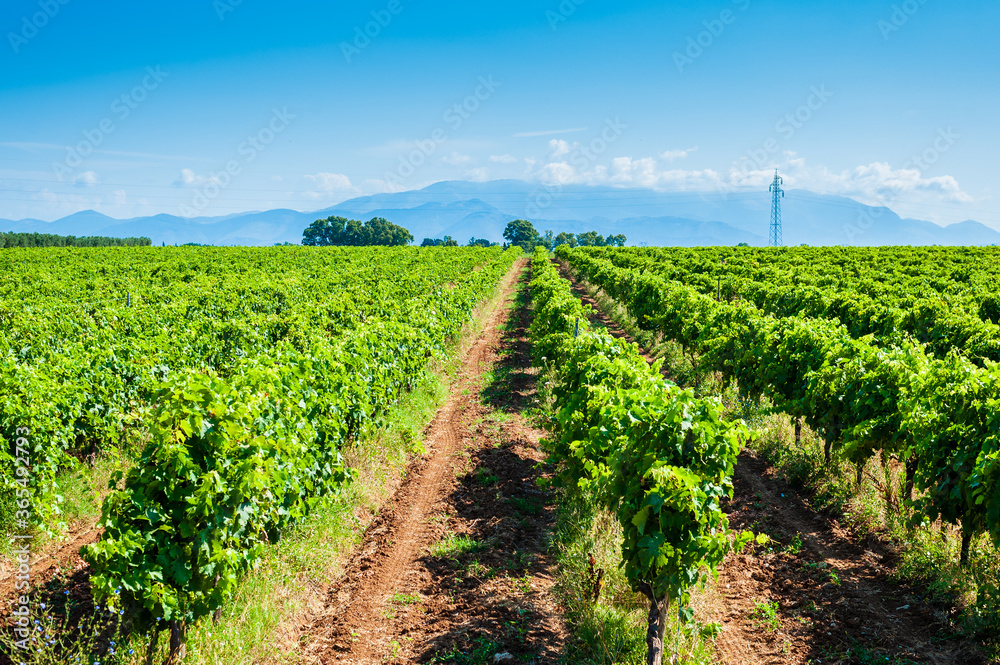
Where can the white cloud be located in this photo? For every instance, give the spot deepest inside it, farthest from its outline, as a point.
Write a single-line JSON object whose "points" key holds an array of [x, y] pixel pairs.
{"points": [[873, 184], [456, 159], [559, 148], [331, 182], [189, 178], [671, 155], [503, 159], [87, 178]]}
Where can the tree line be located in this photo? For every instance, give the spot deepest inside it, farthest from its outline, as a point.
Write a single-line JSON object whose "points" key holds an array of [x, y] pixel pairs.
{"points": [[52, 240], [340, 231], [448, 241], [522, 233]]}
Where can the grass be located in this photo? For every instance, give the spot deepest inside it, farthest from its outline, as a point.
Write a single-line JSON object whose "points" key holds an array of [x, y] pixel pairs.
{"points": [[611, 631], [453, 546], [484, 476], [527, 506]]}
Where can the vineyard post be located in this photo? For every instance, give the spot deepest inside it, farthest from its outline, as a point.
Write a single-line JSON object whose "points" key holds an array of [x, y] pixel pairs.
{"points": [[576, 328]]}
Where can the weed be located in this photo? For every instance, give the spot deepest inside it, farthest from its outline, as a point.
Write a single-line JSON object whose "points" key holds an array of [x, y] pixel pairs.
{"points": [[484, 476], [765, 615], [481, 650], [479, 571], [394, 650], [399, 598], [795, 546], [527, 506]]}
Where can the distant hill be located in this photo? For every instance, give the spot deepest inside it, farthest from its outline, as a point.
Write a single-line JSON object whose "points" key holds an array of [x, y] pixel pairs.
{"points": [[482, 209]]}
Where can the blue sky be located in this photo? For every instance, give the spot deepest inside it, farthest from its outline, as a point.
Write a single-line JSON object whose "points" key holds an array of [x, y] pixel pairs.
{"points": [[211, 107]]}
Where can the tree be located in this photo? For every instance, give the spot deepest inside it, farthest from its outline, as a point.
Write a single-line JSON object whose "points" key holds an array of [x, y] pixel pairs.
{"points": [[521, 232], [615, 241], [547, 240], [340, 231], [566, 239], [590, 239], [480, 242]]}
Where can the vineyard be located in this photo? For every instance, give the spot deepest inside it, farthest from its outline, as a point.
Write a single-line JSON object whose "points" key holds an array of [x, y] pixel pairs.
{"points": [[883, 358], [230, 382], [242, 373]]}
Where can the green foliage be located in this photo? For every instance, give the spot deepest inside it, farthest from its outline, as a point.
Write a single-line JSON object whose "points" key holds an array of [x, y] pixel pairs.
{"points": [[522, 233], [890, 394], [83, 375], [656, 456], [453, 545], [340, 231], [13, 239], [250, 384], [765, 615]]}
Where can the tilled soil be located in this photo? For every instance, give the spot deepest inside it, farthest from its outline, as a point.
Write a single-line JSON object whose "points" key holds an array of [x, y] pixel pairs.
{"points": [[59, 559], [833, 595], [836, 599], [456, 567]]}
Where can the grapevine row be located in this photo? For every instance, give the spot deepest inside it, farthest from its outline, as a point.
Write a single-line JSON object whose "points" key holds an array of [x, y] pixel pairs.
{"points": [[88, 336], [939, 415], [236, 459], [942, 322], [654, 455]]}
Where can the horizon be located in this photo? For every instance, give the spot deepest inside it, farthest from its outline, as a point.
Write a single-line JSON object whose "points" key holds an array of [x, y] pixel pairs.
{"points": [[229, 107], [331, 210]]}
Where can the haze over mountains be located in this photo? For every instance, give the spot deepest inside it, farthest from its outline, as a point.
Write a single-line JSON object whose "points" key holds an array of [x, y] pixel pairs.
{"points": [[482, 210]]}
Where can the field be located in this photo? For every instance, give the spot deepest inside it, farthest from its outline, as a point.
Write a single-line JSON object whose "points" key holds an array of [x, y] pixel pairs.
{"points": [[375, 455]]}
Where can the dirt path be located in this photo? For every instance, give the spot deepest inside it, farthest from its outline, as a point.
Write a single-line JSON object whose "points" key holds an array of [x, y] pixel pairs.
{"points": [[835, 594], [455, 567], [58, 558], [598, 317], [836, 598]]}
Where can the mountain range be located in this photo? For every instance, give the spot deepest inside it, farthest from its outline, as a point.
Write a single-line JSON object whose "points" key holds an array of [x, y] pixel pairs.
{"points": [[482, 209]]}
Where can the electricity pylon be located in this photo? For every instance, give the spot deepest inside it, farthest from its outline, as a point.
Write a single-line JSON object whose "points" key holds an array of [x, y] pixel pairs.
{"points": [[777, 193]]}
